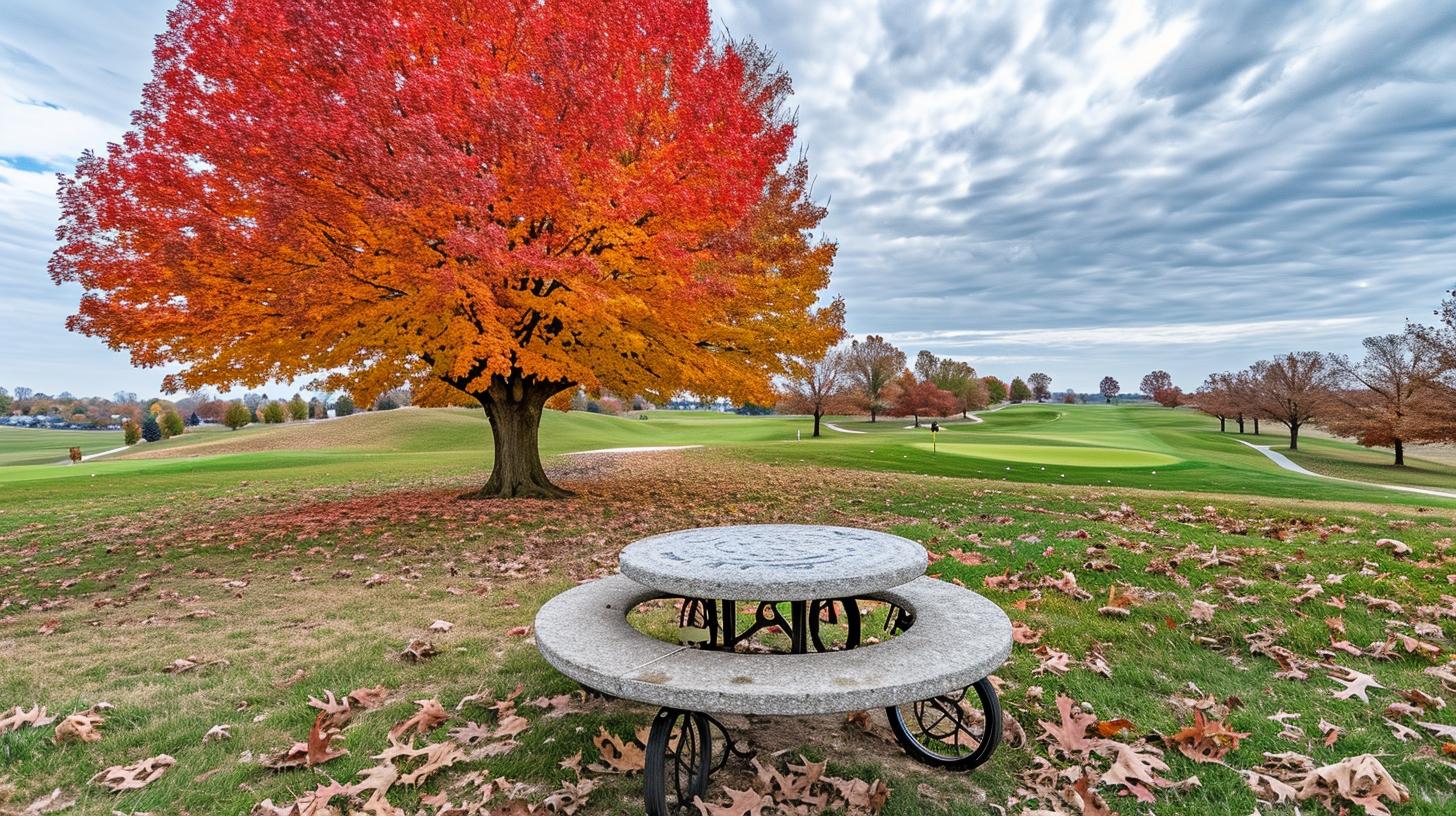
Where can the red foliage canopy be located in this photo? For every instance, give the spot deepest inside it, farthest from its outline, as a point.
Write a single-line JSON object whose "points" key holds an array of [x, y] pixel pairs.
{"points": [[547, 191]]}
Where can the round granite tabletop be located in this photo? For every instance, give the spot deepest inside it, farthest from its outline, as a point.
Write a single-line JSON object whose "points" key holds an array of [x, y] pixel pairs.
{"points": [[773, 562]]}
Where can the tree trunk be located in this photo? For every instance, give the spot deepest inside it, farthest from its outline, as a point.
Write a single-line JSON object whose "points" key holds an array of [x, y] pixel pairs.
{"points": [[1240, 420], [1294, 436], [816, 422], [514, 407], [1222, 425], [1256, 426], [917, 420], [1399, 453], [872, 415]]}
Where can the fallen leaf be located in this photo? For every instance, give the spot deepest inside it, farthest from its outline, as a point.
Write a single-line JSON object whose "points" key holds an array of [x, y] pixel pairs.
{"points": [[1359, 779], [136, 776], [79, 727], [430, 715], [618, 756]]}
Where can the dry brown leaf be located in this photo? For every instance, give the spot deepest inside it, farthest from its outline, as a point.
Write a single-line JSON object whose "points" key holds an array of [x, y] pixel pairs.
{"points": [[558, 706], [334, 713], [1111, 728], [17, 718], [377, 780], [438, 757], [190, 663], [1070, 734], [1206, 740], [618, 756], [135, 776], [1023, 634], [430, 716], [1355, 683], [1202, 612], [367, 698], [217, 733], [1358, 779], [510, 726], [1135, 767], [316, 750], [79, 727], [418, 650], [1268, 788], [1052, 661], [570, 797], [740, 803]]}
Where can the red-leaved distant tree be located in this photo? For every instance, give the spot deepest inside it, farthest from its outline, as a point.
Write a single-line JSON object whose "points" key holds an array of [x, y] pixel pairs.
{"points": [[506, 200], [1169, 397], [921, 398], [1153, 382]]}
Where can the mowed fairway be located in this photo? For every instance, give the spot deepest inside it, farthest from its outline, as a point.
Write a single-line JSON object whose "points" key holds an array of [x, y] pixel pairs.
{"points": [[1140, 447], [297, 560], [29, 446]]}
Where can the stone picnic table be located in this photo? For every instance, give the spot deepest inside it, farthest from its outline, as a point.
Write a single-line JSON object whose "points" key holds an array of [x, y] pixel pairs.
{"points": [[930, 674]]}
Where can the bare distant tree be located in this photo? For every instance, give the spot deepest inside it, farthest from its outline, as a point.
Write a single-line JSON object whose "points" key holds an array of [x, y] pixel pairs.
{"points": [[1293, 389], [1109, 389], [873, 365], [1041, 385], [817, 387]]}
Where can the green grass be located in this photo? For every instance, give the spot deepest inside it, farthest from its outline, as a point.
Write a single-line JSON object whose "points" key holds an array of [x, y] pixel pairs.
{"points": [[120, 559], [1347, 461], [32, 446], [1142, 447]]}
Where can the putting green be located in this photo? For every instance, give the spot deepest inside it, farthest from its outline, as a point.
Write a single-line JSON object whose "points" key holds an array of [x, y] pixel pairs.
{"points": [[1058, 455]]}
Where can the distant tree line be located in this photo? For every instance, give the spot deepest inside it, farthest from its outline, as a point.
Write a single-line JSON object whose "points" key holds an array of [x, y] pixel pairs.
{"points": [[872, 376], [1402, 391]]}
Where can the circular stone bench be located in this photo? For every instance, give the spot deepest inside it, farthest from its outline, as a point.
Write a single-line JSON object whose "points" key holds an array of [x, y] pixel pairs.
{"points": [[957, 639]]}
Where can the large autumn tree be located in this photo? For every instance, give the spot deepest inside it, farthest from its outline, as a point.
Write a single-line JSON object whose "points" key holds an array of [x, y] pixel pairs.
{"points": [[501, 201]]}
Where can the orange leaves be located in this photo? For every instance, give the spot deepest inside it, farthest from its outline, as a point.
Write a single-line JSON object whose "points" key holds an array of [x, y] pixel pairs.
{"points": [[524, 201], [1205, 740]]}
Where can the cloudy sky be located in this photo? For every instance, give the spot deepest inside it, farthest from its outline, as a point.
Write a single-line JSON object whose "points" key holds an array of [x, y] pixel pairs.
{"points": [[1082, 188]]}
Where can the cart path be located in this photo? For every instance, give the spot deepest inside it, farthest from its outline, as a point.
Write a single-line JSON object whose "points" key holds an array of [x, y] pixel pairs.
{"points": [[1285, 462], [831, 426], [974, 416], [88, 457]]}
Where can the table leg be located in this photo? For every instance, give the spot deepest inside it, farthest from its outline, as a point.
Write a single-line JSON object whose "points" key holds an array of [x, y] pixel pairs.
{"points": [[799, 627], [679, 761], [957, 731], [728, 625]]}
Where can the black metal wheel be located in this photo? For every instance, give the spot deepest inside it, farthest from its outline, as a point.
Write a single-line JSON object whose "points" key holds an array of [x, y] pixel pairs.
{"points": [[956, 731], [824, 612], [679, 760]]}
